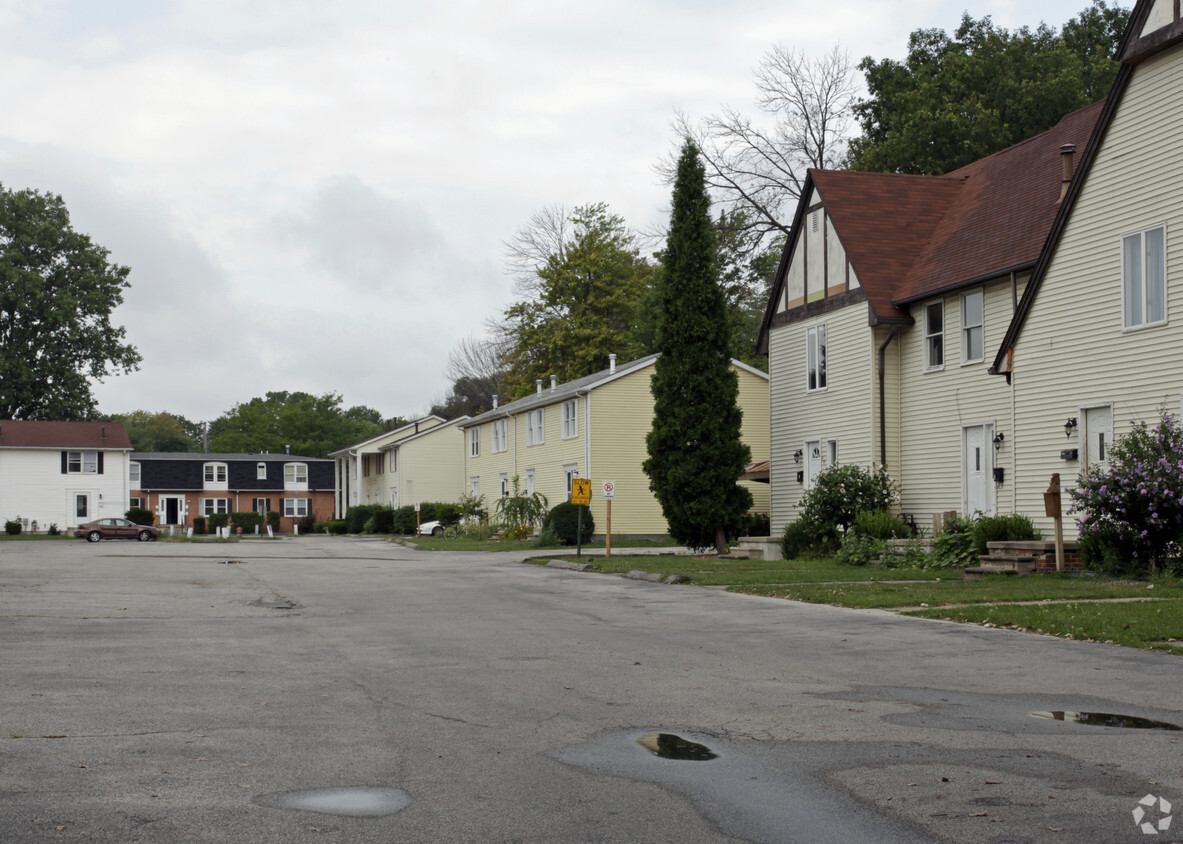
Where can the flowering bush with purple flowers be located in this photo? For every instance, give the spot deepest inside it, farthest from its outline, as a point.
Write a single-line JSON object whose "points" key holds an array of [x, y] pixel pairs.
{"points": [[1130, 513]]}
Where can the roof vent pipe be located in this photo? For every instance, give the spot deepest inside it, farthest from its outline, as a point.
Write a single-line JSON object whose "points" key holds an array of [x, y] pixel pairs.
{"points": [[495, 400], [611, 364], [287, 449], [538, 381], [103, 431], [552, 382], [1066, 153]]}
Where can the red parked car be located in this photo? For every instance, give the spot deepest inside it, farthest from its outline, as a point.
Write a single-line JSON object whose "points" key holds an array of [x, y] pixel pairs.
{"points": [[115, 529]]}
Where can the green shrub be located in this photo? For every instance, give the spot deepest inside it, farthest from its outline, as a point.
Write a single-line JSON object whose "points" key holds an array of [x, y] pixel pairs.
{"points": [[54, 530], [247, 520], [756, 524], [273, 520], [800, 540], [954, 544], [447, 513], [880, 524], [382, 521], [357, 516], [140, 516], [520, 510], [839, 493], [546, 538], [336, 527], [564, 518], [1132, 510], [12, 527], [860, 549], [199, 524], [1009, 528], [218, 520]]}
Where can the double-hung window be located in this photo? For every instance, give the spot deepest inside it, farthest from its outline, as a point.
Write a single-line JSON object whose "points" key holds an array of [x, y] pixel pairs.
{"points": [[815, 357], [534, 422], [972, 321], [934, 335], [133, 474], [82, 463], [570, 419], [295, 508], [1144, 278], [497, 435], [260, 471], [474, 441], [215, 475], [209, 506], [297, 473]]}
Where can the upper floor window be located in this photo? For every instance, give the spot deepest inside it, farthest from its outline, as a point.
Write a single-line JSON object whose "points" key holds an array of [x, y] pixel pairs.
{"points": [[215, 473], [474, 442], [534, 422], [82, 463], [972, 320], [1144, 277], [261, 471], [815, 357], [295, 473], [570, 419], [934, 335], [500, 435], [394, 460], [133, 474]]}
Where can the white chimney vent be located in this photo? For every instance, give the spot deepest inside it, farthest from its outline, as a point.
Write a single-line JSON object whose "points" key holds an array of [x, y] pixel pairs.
{"points": [[538, 381], [495, 398], [611, 364], [552, 382]]}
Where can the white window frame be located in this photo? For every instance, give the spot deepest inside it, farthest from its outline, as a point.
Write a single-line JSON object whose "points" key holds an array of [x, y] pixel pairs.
{"points": [[535, 427], [816, 358], [210, 506], [216, 475], [474, 486], [474, 441], [570, 473], [967, 328], [1143, 298], [831, 454], [296, 508], [930, 336], [500, 435], [134, 474], [82, 463], [571, 419], [260, 471], [295, 474], [135, 501]]}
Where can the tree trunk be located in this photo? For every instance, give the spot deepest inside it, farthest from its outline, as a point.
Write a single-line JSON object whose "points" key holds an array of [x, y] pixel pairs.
{"points": [[720, 540]]}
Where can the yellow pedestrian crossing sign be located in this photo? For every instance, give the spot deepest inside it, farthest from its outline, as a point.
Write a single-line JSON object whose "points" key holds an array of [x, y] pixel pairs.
{"points": [[580, 491]]}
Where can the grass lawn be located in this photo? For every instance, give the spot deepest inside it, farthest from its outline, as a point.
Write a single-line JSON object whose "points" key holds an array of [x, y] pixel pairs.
{"points": [[1149, 615], [462, 543], [36, 537]]}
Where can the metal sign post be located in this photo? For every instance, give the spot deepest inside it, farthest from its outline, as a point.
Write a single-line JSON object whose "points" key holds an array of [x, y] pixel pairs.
{"points": [[581, 497]]}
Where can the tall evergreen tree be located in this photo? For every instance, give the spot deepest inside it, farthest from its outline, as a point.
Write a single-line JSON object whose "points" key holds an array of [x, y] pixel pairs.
{"points": [[695, 452]]}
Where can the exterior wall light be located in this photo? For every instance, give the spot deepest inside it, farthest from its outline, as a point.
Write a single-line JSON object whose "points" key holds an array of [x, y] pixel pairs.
{"points": [[1070, 426]]}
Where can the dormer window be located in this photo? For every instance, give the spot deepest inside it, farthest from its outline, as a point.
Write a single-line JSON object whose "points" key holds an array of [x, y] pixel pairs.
{"points": [[295, 473], [215, 473], [261, 471]]}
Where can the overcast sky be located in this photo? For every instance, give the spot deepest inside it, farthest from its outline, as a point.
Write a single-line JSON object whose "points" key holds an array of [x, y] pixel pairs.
{"points": [[315, 195]]}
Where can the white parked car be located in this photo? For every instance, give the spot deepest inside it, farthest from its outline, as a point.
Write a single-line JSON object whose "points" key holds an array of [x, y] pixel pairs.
{"points": [[432, 528]]}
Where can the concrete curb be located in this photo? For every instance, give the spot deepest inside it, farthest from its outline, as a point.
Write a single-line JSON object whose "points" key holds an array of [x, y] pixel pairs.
{"points": [[570, 566]]}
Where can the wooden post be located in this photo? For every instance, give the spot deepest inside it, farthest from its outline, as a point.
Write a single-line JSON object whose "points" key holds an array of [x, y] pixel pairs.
{"points": [[608, 530], [1051, 507]]}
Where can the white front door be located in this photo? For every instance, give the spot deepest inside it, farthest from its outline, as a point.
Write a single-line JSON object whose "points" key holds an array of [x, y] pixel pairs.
{"points": [[978, 469], [1098, 436], [80, 506], [813, 462]]}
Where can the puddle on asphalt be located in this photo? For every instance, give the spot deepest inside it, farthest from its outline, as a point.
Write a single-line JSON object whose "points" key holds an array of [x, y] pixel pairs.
{"points": [[670, 746], [1105, 719], [362, 802]]}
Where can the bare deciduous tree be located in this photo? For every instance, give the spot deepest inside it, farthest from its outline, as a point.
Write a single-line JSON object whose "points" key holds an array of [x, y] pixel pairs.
{"points": [[759, 169], [549, 231]]}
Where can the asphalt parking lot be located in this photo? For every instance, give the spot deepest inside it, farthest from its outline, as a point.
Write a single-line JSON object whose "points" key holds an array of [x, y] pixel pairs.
{"points": [[340, 689]]}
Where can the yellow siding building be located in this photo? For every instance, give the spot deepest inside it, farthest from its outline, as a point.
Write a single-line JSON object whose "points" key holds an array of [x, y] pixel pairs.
{"points": [[594, 427]]}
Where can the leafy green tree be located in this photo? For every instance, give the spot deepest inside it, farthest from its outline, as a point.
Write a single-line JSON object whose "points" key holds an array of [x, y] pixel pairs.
{"points": [[696, 455], [313, 426], [57, 291], [956, 99], [587, 305], [158, 431], [746, 272]]}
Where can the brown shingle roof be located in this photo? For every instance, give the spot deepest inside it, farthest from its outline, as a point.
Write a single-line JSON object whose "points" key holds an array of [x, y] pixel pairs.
{"points": [[88, 435], [908, 237]]}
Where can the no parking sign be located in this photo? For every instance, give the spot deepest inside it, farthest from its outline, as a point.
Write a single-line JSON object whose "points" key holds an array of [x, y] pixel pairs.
{"points": [[609, 490]]}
